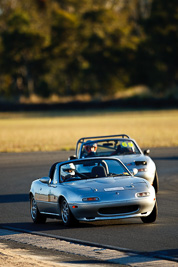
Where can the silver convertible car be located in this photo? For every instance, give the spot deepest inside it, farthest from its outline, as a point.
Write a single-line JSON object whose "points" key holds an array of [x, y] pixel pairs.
{"points": [[124, 148], [91, 189]]}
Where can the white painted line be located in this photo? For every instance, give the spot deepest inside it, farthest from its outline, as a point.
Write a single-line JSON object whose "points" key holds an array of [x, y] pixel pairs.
{"points": [[102, 254]]}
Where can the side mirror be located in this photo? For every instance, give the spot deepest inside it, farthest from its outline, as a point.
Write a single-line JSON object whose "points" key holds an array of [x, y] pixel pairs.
{"points": [[45, 180], [146, 152], [134, 171], [72, 157]]}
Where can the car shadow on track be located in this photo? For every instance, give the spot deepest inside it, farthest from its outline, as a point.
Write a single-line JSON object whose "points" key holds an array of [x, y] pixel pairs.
{"points": [[55, 225], [11, 198]]}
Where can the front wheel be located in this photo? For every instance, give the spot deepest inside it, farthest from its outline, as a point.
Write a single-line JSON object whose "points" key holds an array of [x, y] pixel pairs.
{"points": [[153, 215], [67, 217], [35, 214], [156, 182]]}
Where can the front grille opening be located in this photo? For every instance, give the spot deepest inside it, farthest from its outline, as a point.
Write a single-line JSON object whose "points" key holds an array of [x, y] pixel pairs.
{"points": [[118, 210]]}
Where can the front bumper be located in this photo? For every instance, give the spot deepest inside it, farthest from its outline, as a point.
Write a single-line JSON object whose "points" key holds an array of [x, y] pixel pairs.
{"points": [[115, 210]]}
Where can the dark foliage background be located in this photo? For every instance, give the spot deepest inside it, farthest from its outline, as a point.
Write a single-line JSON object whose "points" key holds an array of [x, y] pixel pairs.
{"points": [[87, 47]]}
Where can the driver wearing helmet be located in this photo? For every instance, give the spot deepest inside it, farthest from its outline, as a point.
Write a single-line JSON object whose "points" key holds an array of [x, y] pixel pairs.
{"points": [[67, 171], [91, 149]]}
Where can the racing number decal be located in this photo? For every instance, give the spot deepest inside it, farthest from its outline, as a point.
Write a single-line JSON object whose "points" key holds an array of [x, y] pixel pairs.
{"points": [[125, 144], [130, 144]]}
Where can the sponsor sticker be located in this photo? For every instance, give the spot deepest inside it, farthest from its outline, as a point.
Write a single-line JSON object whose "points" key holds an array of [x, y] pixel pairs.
{"points": [[113, 188]]}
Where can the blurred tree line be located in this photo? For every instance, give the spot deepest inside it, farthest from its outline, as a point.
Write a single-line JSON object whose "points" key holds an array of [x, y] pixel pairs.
{"points": [[69, 47]]}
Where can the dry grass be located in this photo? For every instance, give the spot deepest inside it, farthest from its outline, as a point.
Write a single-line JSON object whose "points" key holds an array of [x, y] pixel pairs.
{"points": [[20, 132]]}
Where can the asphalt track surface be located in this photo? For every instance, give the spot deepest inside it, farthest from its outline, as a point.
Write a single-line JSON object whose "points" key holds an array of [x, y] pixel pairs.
{"points": [[17, 171]]}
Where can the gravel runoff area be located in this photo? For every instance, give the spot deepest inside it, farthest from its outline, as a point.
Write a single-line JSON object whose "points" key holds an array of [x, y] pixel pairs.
{"points": [[19, 249]]}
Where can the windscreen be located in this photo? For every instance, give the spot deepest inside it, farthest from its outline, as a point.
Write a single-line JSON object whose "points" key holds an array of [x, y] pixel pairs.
{"points": [[108, 148], [93, 168]]}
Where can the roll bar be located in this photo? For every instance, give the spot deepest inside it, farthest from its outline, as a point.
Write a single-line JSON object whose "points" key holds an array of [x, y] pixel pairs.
{"points": [[83, 139]]}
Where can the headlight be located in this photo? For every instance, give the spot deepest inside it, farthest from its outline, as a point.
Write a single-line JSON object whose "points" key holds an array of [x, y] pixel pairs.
{"points": [[141, 162], [142, 194], [90, 199]]}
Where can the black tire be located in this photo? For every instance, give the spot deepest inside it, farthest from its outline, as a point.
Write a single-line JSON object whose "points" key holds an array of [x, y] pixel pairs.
{"points": [[67, 216], [153, 215], [35, 214], [156, 182]]}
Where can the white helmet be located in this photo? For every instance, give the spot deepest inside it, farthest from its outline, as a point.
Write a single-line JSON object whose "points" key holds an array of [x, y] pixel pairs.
{"points": [[68, 169]]}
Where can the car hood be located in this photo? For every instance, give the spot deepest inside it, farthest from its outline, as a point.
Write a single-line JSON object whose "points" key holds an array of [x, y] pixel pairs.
{"points": [[131, 158], [108, 184], [133, 161]]}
